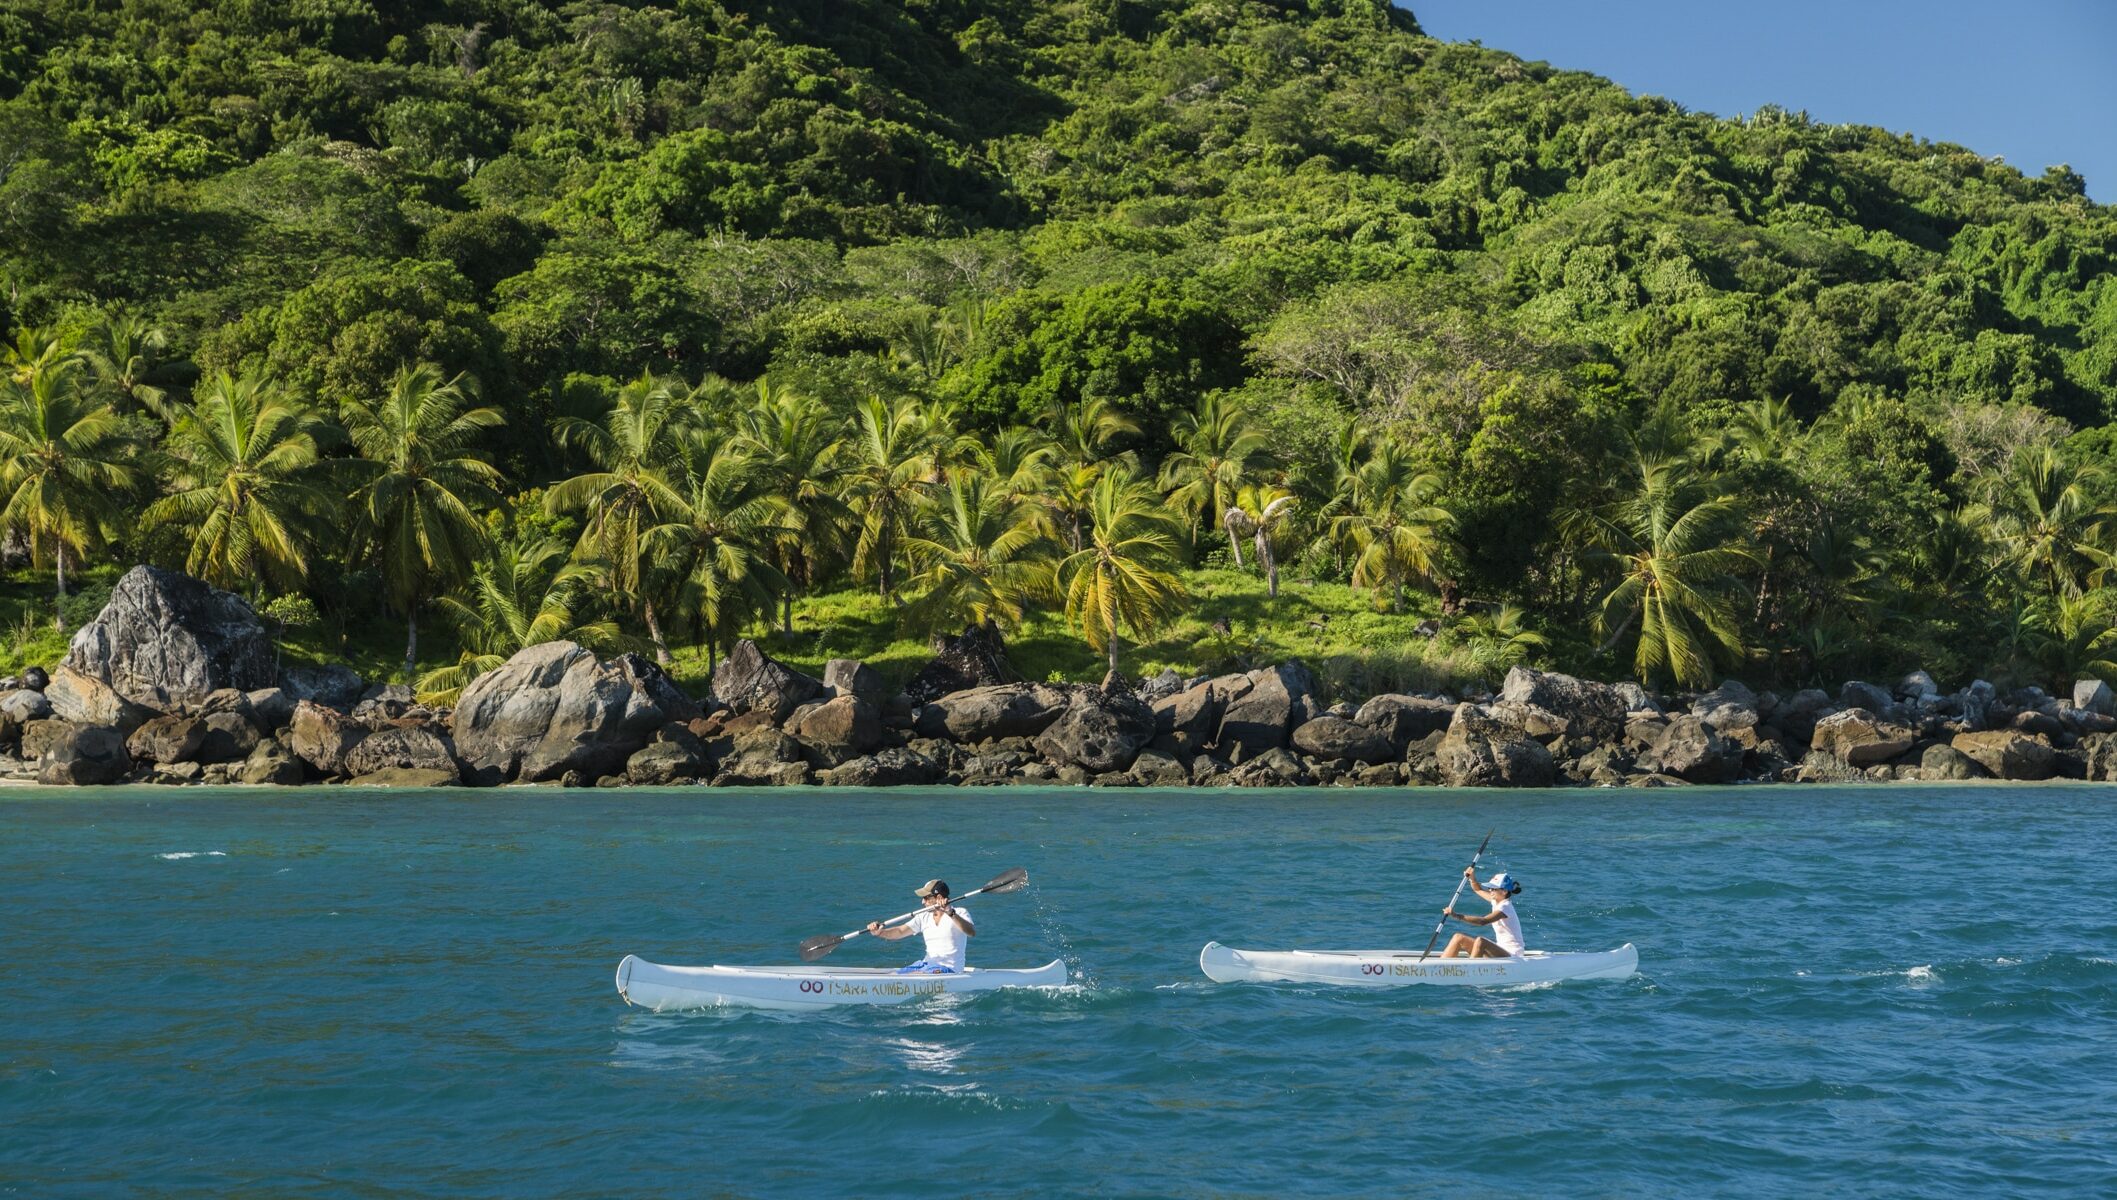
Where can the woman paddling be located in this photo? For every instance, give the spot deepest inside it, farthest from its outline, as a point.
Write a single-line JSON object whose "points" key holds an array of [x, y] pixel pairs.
{"points": [[1506, 940], [947, 930]]}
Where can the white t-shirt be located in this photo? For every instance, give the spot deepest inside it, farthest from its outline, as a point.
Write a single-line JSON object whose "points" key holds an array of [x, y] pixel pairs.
{"points": [[1507, 931], [945, 943]]}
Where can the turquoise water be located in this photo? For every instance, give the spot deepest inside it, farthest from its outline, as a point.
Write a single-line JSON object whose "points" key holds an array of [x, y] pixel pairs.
{"points": [[1876, 991]]}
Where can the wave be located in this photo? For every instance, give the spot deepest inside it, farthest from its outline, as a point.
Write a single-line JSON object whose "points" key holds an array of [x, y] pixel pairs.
{"points": [[176, 855]]}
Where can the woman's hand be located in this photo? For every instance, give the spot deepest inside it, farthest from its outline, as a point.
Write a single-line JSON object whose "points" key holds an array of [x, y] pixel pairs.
{"points": [[1470, 872], [874, 927]]}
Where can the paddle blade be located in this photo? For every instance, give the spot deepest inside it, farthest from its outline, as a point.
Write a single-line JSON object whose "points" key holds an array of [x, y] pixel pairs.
{"points": [[1007, 881], [820, 945]]}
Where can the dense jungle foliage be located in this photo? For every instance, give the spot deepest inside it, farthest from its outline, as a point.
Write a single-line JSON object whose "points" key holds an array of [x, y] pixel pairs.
{"points": [[641, 323]]}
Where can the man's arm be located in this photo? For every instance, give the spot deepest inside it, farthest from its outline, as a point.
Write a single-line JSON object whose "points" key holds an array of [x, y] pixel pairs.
{"points": [[889, 933], [962, 921]]}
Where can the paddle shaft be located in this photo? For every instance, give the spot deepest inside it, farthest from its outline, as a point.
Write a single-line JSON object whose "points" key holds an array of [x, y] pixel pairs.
{"points": [[902, 917], [1441, 924]]}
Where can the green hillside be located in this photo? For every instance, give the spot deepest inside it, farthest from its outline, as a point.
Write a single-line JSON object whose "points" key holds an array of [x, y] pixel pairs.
{"points": [[993, 309]]}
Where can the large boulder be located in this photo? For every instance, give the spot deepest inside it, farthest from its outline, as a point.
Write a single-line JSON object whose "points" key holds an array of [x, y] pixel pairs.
{"points": [[167, 739], [1000, 711], [838, 730], [84, 754], [1796, 716], [23, 705], [1593, 709], [975, 659], [1262, 718], [2093, 695], [896, 767], [1860, 694], [166, 641], [1485, 748], [1405, 719], [2008, 753], [749, 680], [270, 708], [229, 737], [1098, 732], [1191, 717], [1944, 762], [555, 708], [404, 749], [322, 737], [1692, 750], [2099, 752], [851, 677], [1730, 706], [1345, 741], [333, 686], [1859, 738], [85, 700], [271, 762], [674, 759]]}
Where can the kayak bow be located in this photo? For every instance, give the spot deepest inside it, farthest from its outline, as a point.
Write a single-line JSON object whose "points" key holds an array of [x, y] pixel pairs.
{"points": [[658, 987]]}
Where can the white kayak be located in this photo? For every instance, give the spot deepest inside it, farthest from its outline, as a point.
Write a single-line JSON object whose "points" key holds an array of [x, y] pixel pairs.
{"points": [[1393, 968], [652, 985]]}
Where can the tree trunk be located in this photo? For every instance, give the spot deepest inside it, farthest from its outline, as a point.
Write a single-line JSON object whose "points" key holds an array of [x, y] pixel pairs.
{"points": [[1271, 565], [654, 632], [1110, 646], [411, 642], [786, 613], [58, 612], [1235, 546]]}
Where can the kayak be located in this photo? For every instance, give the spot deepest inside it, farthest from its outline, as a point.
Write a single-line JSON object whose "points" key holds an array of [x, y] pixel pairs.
{"points": [[1392, 968], [652, 985]]}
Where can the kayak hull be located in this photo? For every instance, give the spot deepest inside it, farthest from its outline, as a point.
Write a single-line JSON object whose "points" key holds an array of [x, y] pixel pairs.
{"points": [[1397, 968], [662, 988]]}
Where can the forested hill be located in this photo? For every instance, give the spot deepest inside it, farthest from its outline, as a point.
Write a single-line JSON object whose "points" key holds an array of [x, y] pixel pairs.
{"points": [[1537, 287]]}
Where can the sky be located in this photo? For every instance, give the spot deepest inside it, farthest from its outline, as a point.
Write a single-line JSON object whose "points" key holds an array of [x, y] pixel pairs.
{"points": [[2031, 81]]}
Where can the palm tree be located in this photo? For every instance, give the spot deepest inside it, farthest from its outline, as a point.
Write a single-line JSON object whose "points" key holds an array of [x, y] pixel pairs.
{"points": [[638, 450], [1218, 452], [1393, 525], [246, 482], [1085, 432], [797, 445], [61, 465], [35, 352], [889, 465], [1500, 640], [519, 597], [1122, 579], [1258, 513], [420, 474], [717, 538], [1676, 556], [1767, 430], [2044, 521], [122, 352], [977, 555]]}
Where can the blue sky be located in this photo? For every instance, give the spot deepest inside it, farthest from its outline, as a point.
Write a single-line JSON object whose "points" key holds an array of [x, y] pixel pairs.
{"points": [[2031, 81]]}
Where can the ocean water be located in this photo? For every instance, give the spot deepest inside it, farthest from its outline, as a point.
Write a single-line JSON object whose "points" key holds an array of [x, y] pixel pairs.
{"points": [[1879, 991]]}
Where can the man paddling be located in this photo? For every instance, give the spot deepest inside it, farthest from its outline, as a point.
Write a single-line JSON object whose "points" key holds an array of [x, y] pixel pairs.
{"points": [[1506, 940], [947, 930]]}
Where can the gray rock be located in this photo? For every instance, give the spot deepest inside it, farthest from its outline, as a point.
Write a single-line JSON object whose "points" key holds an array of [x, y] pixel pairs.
{"points": [[661, 764], [271, 708], [405, 777], [851, 677], [322, 737], [749, 680], [166, 640], [1729, 706], [229, 737], [1484, 748], [1636, 699], [1590, 708], [976, 659], [401, 749], [2008, 754], [1943, 762], [40, 736], [84, 700], [2090, 695], [555, 708], [1859, 738], [1192, 716], [83, 755], [1797, 714], [1859, 694], [1690, 749], [1168, 683], [1275, 767], [167, 739], [1916, 687], [894, 767], [986, 713], [333, 686], [270, 763], [35, 679], [2099, 757], [1098, 732], [24, 705], [1343, 740], [838, 730], [1154, 769], [1405, 719], [1263, 718]]}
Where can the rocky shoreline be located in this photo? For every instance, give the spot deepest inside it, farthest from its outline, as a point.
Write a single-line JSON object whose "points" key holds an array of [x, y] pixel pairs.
{"points": [[177, 683]]}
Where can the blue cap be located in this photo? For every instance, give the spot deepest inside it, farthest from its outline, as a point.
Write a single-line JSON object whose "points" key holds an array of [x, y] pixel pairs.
{"points": [[1502, 882]]}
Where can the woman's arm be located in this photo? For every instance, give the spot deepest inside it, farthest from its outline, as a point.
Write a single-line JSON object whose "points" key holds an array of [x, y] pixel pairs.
{"points": [[1467, 919]]}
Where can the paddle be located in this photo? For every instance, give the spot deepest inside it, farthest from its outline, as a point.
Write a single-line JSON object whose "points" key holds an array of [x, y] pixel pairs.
{"points": [[1443, 922], [1006, 881]]}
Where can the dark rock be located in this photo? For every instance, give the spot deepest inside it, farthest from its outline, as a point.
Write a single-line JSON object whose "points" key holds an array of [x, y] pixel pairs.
{"points": [[82, 755], [35, 679], [884, 768], [1857, 737], [401, 749], [1946, 762], [24, 705], [322, 737], [1975, 704], [40, 736], [851, 677], [1595, 709], [1155, 769], [1483, 748], [1691, 749], [333, 686], [1797, 714], [2008, 754], [1168, 683], [177, 774], [166, 640], [1379, 775], [1262, 718], [229, 737], [2038, 723], [1098, 732], [270, 708], [663, 763], [749, 680], [838, 730], [1636, 699], [1405, 719], [1859, 694], [976, 659], [167, 739], [270, 763], [405, 777], [2099, 757], [1916, 687], [985, 713], [1191, 717], [1340, 739], [555, 708]]}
